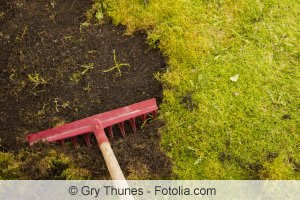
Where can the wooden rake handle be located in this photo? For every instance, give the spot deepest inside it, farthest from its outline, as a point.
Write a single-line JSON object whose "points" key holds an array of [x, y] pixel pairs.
{"points": [[114, 169], [108, 154], [111, 161]]}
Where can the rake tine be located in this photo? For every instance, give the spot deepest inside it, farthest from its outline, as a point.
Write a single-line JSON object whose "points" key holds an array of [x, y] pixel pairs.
{"points": [[96, 124], [133, 125], [74, 141], [110, 131], [62, 142], [121, 126], [154, 113], [87, 139], [143, 117]]}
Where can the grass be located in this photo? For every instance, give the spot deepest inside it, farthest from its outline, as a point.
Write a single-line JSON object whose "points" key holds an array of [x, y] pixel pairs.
{"points": [[242, 129]]}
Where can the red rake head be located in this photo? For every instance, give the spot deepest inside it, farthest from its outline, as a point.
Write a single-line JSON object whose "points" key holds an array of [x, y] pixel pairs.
{"points": [[97, 123]]}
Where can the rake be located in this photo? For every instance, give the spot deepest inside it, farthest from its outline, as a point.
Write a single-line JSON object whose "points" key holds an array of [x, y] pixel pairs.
{"points": [[97, 124]]}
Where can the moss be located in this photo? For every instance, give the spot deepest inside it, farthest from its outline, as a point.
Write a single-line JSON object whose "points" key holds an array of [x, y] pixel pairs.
{"points": [[138, 171], [96, 11], [9, 167], [207, 43], [277, 169], [53, 164], [74, 173], [47, 164]]}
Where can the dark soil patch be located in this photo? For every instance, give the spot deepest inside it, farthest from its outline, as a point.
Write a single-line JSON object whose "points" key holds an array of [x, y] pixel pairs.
{"points": [[52, 71], [138, 154]]}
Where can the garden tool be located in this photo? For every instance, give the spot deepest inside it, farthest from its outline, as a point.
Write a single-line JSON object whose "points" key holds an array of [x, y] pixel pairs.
{"points": [[97, 124]]}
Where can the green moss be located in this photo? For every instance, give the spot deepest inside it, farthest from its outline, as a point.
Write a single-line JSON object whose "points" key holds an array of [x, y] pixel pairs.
{"points": [[74, 173], [232, 127], [48, 164], [96, 11], [279, 168], [53, 164], [9, 167]]}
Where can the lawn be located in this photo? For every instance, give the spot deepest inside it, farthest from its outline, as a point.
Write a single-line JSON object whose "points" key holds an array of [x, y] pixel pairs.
{"points": [[231, 91]]}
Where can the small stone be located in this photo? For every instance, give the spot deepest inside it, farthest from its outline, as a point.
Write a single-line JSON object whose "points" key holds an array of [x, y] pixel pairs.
{"points": [[234, 78]]}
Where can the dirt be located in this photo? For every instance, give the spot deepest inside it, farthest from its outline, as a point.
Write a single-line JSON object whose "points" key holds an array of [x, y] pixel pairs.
{"points": [[54, 69]]}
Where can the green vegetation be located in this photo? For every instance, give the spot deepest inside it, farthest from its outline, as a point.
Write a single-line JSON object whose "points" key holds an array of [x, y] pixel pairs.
{"points": [[77, 76], [96, 11], [51, 165], [231, 101], [117, 65], [9, 167], [63, 104], [37, 79]]}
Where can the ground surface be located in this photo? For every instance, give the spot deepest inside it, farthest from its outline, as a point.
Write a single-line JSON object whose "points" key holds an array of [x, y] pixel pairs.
{"points": [[52, 72], [231, 92]]}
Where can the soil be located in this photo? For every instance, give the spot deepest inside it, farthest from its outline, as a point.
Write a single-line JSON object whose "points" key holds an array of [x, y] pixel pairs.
{"points": [[53, 71]]}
